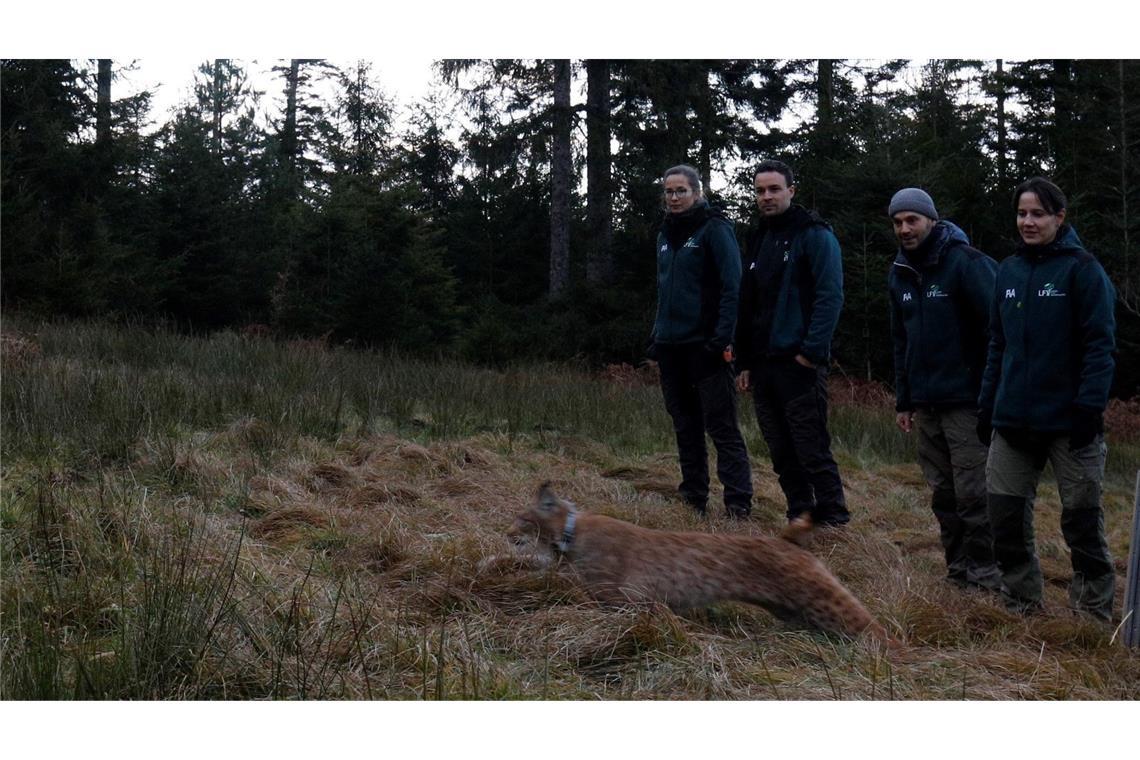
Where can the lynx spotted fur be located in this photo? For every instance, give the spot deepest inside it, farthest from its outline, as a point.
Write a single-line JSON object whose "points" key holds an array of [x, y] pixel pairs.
{"points": [[618, 562]]}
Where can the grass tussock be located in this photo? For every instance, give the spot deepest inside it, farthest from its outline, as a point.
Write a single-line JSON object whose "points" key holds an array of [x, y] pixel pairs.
{"points": [[186, 518]]}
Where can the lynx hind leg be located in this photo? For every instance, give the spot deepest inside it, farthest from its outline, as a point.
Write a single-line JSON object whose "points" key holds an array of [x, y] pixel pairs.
{"points": [[798, 531]]}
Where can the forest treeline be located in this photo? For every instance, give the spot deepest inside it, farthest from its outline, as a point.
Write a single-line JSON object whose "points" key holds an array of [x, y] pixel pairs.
{"points": [[499, 219]]}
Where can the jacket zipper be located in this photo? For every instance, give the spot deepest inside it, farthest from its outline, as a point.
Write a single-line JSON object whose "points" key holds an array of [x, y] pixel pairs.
{"points": [[672, 285], [921, 320], [1025, 339]]}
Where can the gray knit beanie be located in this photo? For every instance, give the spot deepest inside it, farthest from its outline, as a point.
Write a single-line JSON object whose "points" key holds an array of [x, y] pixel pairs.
{"points": [[913, 199]]}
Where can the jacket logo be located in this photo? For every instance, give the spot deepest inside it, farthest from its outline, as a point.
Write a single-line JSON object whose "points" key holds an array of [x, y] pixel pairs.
{"points": [[936, 292], [689, 244], [751, 266], [1011, 293], [906, 297], [664, 247], [1049, 291], [785, 255]]}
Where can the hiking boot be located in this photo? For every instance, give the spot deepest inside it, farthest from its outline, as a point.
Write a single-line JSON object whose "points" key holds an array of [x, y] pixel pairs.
{"points": [[1022, 606], [1088, 613], [738, 511], [700, 507], [984, 578], [957, 580], [830, 519]]}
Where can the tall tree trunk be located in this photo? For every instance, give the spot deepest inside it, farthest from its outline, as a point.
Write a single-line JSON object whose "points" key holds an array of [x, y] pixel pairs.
{"points": [[999, 85], [289, 128], [825, 76], [1064, 149], [103, 107], [705, 124], [103, 119], [599, 191], [561, 169], [217, 105]]}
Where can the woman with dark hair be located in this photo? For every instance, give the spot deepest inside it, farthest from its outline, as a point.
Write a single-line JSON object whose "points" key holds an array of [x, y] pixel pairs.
{"points": [[1046, 383], [698, 286]]}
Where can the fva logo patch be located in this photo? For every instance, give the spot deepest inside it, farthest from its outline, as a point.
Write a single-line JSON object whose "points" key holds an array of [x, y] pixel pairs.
{"points": [[906, 297], [1011, 293]]}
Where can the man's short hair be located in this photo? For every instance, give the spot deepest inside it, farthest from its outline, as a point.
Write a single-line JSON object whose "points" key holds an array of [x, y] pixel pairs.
{"points": [[1051, 197], [689, 173], [772, 165]]}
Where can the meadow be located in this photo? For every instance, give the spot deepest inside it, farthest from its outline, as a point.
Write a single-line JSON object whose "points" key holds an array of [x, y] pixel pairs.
{"points": [[234, 517]]}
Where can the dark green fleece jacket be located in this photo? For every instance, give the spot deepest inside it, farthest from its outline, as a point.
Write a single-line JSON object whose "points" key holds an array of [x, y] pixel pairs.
{"points": [[792, 290], [1052, 337], [698, 278], [940, 298]]}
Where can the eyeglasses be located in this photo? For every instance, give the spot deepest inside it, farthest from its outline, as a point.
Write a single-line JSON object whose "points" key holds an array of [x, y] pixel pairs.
{"points": [[680, 192]]}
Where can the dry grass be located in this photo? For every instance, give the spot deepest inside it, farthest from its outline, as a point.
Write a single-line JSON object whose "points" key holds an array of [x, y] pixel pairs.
{"points": [[447, 611], [371, 565]]}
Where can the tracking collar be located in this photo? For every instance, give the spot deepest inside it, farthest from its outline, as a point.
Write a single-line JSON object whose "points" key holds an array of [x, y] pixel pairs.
{"points": [[563, 546]]}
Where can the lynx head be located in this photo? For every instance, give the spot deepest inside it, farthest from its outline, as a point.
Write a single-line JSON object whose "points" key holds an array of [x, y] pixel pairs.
{"points": [[544, 522]]}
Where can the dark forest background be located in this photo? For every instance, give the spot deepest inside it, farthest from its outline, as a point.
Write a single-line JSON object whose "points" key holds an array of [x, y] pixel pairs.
{"points": [[498, 220]]}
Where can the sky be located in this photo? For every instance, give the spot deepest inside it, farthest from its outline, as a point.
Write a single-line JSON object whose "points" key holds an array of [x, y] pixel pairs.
{"points": [[170, 78]]}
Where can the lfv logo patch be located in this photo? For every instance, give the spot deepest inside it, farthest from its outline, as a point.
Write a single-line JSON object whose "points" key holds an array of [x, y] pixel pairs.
{"points": [[1050, 291]]}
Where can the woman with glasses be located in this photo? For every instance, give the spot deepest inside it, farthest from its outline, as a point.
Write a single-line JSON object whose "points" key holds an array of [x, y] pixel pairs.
{"points": [[698, 285], [1046, 384]]}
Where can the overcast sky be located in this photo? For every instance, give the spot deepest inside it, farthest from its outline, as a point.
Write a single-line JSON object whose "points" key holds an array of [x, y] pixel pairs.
{"points": [[402, 38], [170, 79]]}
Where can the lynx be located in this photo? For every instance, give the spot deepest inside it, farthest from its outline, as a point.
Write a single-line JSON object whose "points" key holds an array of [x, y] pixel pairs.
{"points": [[618, 562]]}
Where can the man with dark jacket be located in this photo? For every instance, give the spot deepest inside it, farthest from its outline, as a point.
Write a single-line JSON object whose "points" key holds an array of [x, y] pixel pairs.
{"points": [[698, 286], [940, 290], [790, 299]]}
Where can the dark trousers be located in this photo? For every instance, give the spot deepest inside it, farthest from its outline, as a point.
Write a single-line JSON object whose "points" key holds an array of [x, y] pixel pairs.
{"points": [[700, 396], [1013, 468], [791, 407], [954, 463]]}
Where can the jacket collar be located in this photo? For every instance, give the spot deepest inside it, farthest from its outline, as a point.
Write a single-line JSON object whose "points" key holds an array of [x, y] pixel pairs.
{"points": [[934, 247], [678, 228], [795, 217], [1066, 241]]}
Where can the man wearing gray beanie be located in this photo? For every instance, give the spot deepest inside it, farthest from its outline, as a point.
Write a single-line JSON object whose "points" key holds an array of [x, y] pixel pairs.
{"points": [[940, 292], [913, 199]]}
